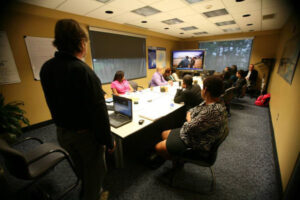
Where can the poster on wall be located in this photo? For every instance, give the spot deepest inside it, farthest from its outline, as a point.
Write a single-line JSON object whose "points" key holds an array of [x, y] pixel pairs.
{"points": [[8, 69], [156, 57], [40, 49], [289, 59], [151, 58]]}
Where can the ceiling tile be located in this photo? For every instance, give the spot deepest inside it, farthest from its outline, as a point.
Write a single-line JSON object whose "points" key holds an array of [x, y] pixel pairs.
{"points": [[79, 7], [167, 5], [100, 12], [126, 4], [220, 18], [127, 17], [148, 2], [186, 11], [46, 3], [207, 6], [244, 6]]}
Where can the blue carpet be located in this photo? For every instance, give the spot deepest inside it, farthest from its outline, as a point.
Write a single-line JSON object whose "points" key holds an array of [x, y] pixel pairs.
{"points": [[245, 167]]}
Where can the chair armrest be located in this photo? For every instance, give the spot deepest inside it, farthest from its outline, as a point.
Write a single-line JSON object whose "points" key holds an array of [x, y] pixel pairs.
{"points": [[66, 155], [27, 139]]}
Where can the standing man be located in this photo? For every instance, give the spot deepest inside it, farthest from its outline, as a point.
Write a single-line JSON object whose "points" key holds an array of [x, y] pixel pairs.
{"points": [[251, 78], [76, 101]]}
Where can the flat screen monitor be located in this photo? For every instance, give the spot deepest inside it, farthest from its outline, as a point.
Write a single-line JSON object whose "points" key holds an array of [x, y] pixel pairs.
{"points": [[188, 59]]}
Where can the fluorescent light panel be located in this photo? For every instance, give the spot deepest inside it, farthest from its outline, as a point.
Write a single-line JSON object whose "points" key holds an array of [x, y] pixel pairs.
{"points": [[216, 13], [193, 1], [231, 29], [200, 33], [172, 21], [270, 16], [225, 23], [103, 1], [146, 11], [189, 28]]}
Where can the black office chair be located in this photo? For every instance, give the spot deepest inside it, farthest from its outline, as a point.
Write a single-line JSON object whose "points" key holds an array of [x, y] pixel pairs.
{"points": [[227, 97], [36, 163], [200, 158], [135, 86]]}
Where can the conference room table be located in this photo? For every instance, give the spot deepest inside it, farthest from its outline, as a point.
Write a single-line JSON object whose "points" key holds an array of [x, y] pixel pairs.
{"points": [[150, 105]]}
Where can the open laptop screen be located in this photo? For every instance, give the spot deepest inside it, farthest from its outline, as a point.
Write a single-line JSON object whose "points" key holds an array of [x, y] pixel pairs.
{"points": [[123, 105]]}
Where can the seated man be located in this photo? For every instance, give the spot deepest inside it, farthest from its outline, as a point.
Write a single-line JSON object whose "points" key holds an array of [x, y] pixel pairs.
{"points": [[251, 78], [205, 124], [240, 82], [190, 94], [158, 79]]}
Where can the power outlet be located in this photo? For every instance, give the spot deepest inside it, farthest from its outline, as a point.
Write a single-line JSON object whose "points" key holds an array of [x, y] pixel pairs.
{"points": [[277, 117]]}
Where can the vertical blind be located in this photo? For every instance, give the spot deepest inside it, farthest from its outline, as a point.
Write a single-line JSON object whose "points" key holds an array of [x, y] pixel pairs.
{"points": [[220, 54], [113, 51]]}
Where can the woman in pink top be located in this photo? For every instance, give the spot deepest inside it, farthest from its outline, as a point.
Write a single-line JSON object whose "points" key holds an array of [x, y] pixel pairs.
{"points": [[120, 85]]}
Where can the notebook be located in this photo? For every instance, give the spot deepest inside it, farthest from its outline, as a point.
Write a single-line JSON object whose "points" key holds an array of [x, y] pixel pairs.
{"points": [[123, 111]]}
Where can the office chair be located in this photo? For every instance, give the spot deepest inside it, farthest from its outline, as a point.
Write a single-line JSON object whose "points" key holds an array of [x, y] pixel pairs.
{"points": [[204, 159], [35, 163], [135, 86], [227, 97]]}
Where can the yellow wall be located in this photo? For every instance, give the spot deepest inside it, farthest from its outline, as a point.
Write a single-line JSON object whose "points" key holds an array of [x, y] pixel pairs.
{"points": [[285, 110], [23, 19]]}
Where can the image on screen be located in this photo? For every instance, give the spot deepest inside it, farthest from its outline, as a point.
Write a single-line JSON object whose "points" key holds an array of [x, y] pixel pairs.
{"points": [[123, 106], [188, 59]]}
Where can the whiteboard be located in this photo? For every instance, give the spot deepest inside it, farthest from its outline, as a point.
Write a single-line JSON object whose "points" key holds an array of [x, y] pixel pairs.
{"points": [[8, 69], [40, 50]]}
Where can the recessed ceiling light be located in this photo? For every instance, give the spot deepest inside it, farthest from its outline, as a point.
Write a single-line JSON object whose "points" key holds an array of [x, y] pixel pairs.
{"points": [[189, 28], [269, 16], [172, 21], [193, 1], [246, 15], [200, 33], [103, 1], [216, 13], [249, 24], [146, 11], [239, 0], [231, 29], [166, 28], [225, 23], [181, 33], [144, 22], [109, 12]]}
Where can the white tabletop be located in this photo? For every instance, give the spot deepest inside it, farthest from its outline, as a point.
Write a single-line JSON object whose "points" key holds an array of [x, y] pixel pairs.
{"points": [[151, 103]]}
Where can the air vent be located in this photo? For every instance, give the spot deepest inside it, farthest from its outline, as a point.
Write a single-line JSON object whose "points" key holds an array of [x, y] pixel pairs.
{"points": [[200, 33], [193, 1], [146, 11], [225, 23], [172, 21], [189, 28], [231, 29], [270, 16], [216, 13]]}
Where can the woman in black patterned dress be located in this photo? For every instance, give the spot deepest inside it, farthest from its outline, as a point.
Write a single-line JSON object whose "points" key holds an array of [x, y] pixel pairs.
{"points": [[205, 124]]}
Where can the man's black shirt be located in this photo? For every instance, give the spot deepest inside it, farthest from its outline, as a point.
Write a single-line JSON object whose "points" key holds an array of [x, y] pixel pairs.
{"points": [[191, 96], [75, 97]]}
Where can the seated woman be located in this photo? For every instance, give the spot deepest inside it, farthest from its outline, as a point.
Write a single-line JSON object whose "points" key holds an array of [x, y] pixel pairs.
{"points": [[120, 85], [240, 82], [168, 75], [205, 124], [227, 82]]}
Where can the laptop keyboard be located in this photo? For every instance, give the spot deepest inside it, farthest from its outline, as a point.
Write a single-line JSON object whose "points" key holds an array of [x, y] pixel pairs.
{"points": [[118, 117]]}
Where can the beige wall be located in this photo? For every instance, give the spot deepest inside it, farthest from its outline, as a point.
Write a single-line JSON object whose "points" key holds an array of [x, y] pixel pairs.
{"points": [[23, 19], [285, 109]]}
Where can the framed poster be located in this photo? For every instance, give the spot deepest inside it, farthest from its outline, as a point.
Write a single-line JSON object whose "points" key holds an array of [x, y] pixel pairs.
{"points": [[151, 58], [289, 58]]}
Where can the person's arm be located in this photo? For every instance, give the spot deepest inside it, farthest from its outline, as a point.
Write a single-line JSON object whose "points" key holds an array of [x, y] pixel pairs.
{"points": [[115, 92], [179, 96], [97, 110]]}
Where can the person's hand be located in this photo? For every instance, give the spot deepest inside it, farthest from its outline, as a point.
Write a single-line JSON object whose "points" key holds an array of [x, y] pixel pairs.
{"points": [[170, 82], [188, 117], [113, 149], [105, 96]]}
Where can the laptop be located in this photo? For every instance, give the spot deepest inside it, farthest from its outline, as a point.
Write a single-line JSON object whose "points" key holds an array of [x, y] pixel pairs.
{"points": [[123, 111]]}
